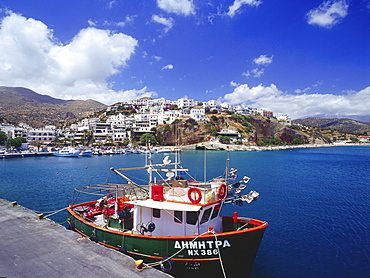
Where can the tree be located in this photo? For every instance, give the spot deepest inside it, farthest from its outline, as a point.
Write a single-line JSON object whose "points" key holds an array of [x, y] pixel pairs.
{"points": [[3, 137], [148, 138], [213, 131], [224, 139], [126, 141], [16, 142]]}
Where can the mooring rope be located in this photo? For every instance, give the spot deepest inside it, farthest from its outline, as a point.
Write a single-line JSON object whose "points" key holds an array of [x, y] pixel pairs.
{"points": [[219, 255], [55, 212], [173, 255]]}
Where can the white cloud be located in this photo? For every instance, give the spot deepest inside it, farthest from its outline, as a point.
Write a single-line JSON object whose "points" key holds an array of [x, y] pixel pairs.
{"points": [[157, 58], [299, 106], [243, 93], [263, 60], [168, 67], [299, 91], [91, 22], [167, 22], [111, 4], [127, 95], [31, 57], [180, 7], [254, 73], [239, 3], [328, 14]]}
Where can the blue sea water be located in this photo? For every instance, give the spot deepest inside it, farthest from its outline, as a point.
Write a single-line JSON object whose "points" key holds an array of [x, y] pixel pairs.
{"points": [[317, 201]]}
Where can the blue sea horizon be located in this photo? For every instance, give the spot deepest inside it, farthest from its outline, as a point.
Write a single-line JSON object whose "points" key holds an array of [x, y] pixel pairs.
{"points": [[316, 201]]}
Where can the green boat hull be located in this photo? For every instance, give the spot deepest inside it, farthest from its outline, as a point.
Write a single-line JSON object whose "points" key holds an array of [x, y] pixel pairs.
{"points": [[231, 252]]}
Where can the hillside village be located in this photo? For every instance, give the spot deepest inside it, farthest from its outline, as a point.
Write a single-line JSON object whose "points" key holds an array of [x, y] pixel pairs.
{"points": [[125, 122]]}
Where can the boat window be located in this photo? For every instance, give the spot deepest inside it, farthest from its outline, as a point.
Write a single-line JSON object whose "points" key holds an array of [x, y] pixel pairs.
{"points": [[191, 217], [206, 215], [156, 213], [215, 212], [178, 216]]}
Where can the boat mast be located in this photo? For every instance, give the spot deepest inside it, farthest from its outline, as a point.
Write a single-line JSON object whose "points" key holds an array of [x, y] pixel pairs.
{"points": [[227, 168], [149, 158], [129, 181], [205, 166]]}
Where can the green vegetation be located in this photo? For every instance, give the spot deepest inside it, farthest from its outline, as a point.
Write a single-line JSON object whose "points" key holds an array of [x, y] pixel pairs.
{"points": [[224, 139], [3, 137], [244, 121], [296, 127], [147, 138], [279, 142], [214, 118], [16, 142], [126, 141], [213, 131]]}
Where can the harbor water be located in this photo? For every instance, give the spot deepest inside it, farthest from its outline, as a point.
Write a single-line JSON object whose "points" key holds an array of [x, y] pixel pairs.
{"points": [[316, 200]]}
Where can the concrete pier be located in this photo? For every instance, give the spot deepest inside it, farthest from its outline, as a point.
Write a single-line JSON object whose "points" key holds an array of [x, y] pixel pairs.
{"points": [[30, 247]]}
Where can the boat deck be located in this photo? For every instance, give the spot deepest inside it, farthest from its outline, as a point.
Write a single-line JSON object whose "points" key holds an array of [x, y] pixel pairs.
{"points": [[41, 248]]}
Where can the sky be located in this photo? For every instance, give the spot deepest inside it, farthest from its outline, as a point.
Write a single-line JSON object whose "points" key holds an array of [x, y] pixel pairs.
{"points": [[292, 57]]}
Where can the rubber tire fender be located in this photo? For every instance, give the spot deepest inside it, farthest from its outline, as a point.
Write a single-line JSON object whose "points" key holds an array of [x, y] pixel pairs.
{"points": [[71, 226], [166, 265]]}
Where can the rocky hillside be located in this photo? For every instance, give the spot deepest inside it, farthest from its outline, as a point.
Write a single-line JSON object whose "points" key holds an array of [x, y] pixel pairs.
{"points": [[254, 128], [342, 125], [23, 105]]}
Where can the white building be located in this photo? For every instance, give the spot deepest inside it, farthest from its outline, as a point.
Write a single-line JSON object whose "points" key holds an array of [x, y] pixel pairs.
{"points": [[212, 105], [86, 124], [284, 119], [13, 132], [43, 135], [242, 109], [118, 120], [169, 116], [145, 122], [102, 132], [119, 135], [142, 102], [198, 113], [185, 102], [227, 107]]}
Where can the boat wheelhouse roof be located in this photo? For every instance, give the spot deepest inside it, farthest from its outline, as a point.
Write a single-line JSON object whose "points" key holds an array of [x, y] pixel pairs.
{"points": [[150, 203]]}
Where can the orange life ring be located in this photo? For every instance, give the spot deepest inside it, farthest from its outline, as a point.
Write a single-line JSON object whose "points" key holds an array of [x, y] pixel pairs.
{"points": [[222, 191], [198, 195]]}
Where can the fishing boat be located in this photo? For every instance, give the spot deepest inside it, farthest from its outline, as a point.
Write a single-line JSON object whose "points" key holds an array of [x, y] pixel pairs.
{"points": [[85, 152], [173, 222], [67, 152]]}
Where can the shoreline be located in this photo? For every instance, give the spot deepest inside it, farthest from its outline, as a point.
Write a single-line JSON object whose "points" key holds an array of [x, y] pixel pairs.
{"points": [[213, 146], [232, 147]]}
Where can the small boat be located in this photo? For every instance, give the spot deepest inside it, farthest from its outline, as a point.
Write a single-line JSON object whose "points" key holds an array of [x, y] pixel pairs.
{"points": [[173, 222], [86, 152], [167, 150], [67, 152]]}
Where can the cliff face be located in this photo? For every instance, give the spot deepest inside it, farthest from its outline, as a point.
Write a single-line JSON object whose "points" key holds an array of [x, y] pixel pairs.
{"points": [[252, 127], [182, 133], [271, 128]]}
